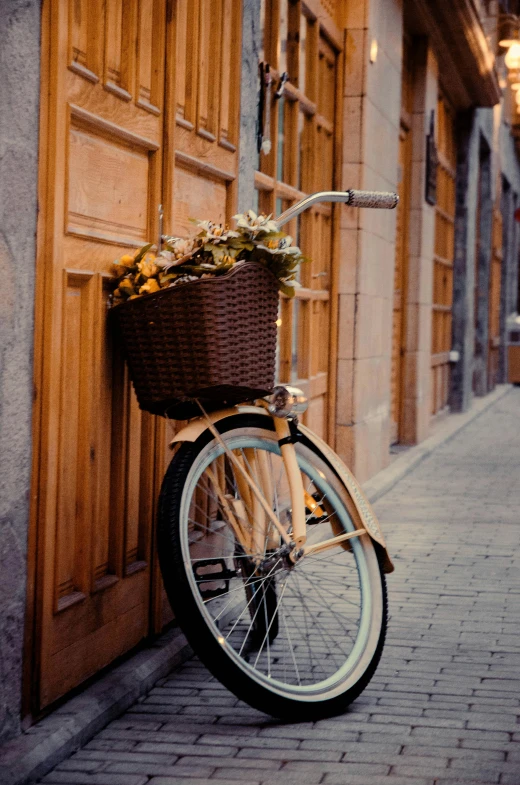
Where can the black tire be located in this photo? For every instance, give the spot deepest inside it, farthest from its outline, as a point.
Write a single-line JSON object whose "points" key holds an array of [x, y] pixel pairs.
{"points": [[186, 606]]}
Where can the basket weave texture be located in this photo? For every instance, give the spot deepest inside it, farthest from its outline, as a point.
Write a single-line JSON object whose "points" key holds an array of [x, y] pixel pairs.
{"points": [[212, 339]]}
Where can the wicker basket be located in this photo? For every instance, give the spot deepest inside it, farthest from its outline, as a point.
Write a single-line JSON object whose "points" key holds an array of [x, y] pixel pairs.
{"points": [[212, 339]]}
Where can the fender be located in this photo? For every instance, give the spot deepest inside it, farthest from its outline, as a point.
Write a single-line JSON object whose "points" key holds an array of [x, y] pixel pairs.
{"points": [[192, 431], [363, 506]]}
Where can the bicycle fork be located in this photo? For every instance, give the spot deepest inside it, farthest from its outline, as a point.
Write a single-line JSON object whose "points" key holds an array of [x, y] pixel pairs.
{"points": [[255, 486]]}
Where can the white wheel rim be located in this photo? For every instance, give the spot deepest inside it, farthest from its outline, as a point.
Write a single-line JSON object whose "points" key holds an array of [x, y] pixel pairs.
{"points": [[367, 636]]}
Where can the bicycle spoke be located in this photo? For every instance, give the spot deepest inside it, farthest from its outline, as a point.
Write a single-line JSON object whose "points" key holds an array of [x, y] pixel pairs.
{"points": [[249, 603], [327, 605], [315, 626], [266, 636], [293, 624], [291, 649]]}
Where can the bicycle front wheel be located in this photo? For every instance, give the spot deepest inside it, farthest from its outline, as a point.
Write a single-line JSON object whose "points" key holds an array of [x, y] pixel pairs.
{"points": [[293, 640]]}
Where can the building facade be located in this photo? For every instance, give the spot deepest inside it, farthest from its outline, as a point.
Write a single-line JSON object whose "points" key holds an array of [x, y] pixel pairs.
{"points": [[110, 109]]}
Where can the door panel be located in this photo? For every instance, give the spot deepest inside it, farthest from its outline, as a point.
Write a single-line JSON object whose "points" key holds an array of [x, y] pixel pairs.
{"points": [[203, 109], [125, 133]]}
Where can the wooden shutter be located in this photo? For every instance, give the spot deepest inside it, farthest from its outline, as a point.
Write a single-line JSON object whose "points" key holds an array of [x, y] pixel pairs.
{"points": [[442, 297], [303, 160]]}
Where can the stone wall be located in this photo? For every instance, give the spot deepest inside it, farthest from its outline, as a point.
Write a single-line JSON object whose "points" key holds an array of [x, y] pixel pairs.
{"points": [[19, 95], [249, 95], [370, 146]]}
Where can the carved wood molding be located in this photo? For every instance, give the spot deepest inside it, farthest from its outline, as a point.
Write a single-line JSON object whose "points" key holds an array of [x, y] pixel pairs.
{"points": [[467, 65]]}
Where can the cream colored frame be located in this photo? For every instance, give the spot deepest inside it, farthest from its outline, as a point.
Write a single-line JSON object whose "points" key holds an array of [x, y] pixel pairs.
{"points": [[369, 521]]}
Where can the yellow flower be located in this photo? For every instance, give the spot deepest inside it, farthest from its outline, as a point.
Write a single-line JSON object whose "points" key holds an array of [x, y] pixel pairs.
{"points": [[147, 266], [126, 260], [149, 287], [126, 287]]}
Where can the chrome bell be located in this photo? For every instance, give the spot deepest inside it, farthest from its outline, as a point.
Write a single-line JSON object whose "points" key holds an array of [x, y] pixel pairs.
{"points": [[287, 402]]}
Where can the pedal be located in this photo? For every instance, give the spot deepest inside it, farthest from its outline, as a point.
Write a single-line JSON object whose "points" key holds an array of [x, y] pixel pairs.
{"points": [[218, 576]]}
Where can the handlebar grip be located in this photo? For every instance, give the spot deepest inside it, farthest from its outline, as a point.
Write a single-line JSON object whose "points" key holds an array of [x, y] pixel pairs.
{"points": [[380, 199]]}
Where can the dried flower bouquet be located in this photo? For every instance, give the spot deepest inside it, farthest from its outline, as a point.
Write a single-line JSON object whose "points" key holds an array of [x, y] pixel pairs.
{"points": [[213, 251]]}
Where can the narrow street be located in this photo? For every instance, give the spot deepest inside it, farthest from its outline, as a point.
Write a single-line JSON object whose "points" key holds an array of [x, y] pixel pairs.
{"points": [[444, 705]]}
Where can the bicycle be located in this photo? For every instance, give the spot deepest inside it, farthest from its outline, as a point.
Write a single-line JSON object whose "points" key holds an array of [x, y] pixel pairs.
{"points": [[272, 558]]}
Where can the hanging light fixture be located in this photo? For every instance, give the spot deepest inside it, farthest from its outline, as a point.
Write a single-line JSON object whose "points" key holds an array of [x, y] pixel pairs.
{"points": [[512, 58], [509, 30]]}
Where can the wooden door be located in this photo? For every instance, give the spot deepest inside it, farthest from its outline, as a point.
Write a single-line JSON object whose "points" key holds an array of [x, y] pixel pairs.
{"points": [[494, 300], [401, 247], [301, 161], [442, 296], [135, 112]]}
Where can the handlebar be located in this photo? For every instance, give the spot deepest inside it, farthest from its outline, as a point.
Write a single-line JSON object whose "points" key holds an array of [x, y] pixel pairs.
{"points": [[377, 199]]}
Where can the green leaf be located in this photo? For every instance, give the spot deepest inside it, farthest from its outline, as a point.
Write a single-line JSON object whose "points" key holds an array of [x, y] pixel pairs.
{"points": [[142, 252], [288, 290]]}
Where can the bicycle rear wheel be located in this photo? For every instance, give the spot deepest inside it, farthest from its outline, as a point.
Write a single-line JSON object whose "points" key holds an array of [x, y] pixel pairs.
{"points": [[293, 640]]}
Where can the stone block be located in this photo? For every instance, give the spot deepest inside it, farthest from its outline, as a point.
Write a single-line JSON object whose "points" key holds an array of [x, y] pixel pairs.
{"points": [[354, 60], [345, 436], [347, 312], [383, 85], [352, 124], [356, 12], [376, 263], [371, 326], [380, 141], [348, 257], [385, 23]]}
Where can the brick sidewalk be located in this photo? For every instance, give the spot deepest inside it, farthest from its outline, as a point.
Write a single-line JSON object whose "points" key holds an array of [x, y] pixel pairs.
{"points": [[443, 707]]}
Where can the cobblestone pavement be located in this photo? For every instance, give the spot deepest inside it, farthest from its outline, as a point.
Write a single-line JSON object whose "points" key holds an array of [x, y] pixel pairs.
{"points": [[444, 705]]}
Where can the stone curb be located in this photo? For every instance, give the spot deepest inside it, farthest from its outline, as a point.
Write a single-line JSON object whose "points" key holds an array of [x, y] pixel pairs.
{"points": [[385, 480], [34, 753], [31, 755]]}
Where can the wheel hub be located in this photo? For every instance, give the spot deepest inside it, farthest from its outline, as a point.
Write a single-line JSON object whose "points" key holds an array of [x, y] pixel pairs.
{"points": [[283, 560]]}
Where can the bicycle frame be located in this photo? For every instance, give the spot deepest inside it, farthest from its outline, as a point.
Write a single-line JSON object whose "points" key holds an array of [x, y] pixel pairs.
{"points": [[255, 488]]}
